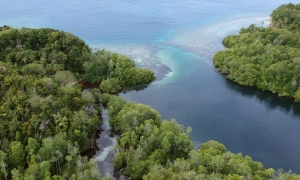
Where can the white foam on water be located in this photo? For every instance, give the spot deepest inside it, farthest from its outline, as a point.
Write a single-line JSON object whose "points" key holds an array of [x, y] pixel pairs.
{"points": [[205, 41], [143, 55], [105, 151], [181, 63], [183, 52]]}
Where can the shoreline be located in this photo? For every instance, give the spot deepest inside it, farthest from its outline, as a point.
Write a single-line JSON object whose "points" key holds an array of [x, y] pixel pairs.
{"points": [[143, 55]]}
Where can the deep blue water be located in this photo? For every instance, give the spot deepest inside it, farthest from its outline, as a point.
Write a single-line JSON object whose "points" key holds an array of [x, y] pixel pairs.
{"points": [[183, 35]]}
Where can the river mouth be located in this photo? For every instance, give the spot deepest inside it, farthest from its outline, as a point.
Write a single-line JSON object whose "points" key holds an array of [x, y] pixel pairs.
{"points": [[192, 92]]}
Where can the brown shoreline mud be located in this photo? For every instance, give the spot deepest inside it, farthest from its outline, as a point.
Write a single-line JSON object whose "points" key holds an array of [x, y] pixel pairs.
{"points": [[87, 85]]}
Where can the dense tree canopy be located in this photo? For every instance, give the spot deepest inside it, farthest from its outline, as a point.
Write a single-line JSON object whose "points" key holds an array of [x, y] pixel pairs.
{"points": [[154, 149], [47, 51], [114, 71], [268, 58], [44, 125], [46, 119], [287, 16], [54, 50]]}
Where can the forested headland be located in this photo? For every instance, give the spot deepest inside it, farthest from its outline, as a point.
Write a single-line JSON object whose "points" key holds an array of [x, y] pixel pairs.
{"points": [[46, 119], [266, 57]]}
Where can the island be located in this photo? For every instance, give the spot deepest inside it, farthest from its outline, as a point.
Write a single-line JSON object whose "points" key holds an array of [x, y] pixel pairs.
{"points": [[266, 57]]}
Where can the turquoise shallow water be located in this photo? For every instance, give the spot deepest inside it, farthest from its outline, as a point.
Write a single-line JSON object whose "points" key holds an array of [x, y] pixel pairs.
{"points": [[183, 35]]}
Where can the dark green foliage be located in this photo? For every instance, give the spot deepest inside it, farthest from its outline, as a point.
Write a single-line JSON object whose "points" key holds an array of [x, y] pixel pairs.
{"points": [[152, 148], [146, 139], [131, 115], [54, 50], [267, 58], [103, 65], [97, 67], [287, 16], [114, 71], [134, 76], [47, 52], [34, 69], [110, 85], [45, 123], [45, 119]]}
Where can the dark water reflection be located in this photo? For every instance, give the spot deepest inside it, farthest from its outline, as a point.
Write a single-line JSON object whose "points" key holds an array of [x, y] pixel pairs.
{"points": [[135, 88], [270, 100], [104, 150], [245, 119]]}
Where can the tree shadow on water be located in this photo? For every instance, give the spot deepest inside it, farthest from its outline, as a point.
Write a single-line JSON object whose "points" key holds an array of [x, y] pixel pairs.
{"points": [[269, 99], [135, 88]]}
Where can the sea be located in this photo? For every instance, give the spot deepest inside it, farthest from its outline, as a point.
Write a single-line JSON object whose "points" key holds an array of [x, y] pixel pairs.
{"points": [[177, 39]]}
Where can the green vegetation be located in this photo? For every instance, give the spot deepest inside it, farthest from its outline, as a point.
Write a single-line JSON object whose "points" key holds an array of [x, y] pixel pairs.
{"points": [[47, 51], [268, 58], [46, 120], [54, 50], [152, 148], [44, 125], [114, 71], [287, 16]]}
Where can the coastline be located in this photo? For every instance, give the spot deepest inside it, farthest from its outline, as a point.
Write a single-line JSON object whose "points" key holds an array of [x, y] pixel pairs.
{"points": [[205, 41], [162, 72], [144, 56]]}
